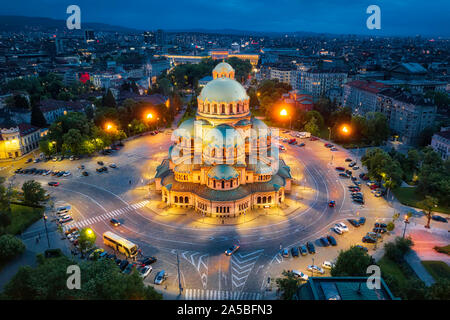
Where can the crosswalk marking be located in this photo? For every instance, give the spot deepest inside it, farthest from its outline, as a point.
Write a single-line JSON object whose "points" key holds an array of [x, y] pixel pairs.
{"points": [[110, 214], [200, 294]]}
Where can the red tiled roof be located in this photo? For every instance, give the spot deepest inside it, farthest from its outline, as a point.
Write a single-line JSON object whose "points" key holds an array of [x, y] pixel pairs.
{"points": [[25, 129], [370, 86]]}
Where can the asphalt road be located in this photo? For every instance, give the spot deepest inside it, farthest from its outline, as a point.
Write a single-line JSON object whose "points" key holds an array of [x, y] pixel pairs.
{"points": [[205, 271]]}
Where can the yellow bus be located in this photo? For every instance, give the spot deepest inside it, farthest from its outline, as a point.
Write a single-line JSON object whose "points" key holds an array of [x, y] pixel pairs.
{"points": [[120, 244]]}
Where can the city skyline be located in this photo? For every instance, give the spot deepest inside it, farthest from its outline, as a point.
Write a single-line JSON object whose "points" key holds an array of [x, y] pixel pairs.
{"points": [[288, 16]]}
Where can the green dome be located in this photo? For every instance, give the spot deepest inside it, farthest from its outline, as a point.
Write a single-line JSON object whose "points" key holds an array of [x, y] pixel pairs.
{"points": [[242, 123], [223, 90], [223, 172], [223, 135]]}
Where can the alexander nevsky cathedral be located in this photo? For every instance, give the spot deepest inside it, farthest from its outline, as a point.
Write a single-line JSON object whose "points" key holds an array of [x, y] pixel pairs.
{"points": [[223, 163]]}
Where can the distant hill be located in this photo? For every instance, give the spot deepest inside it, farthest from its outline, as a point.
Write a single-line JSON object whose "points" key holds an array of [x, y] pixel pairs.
{"points": [[21, 23]]}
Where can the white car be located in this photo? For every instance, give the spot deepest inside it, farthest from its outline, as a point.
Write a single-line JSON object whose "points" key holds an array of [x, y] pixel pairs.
{"points": [[299, 274], [327, 265], [337, 230], [145, 271], [46, 173], [342, 226], [66, 174], [315, 268]]}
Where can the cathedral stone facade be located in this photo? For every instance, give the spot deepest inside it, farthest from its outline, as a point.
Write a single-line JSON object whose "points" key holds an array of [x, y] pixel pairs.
{"points": [[223, 162]]}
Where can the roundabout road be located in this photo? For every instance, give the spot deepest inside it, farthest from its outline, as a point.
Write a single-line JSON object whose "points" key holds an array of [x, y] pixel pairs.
{"points": [[121, 193]]}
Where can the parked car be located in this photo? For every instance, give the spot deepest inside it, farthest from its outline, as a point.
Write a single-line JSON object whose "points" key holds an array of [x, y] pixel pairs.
{"points": [[379, 230], [380, 225], [362, 221], [285, 253], [342, 226], [113, 165], [66, 174], [315, 268], [310, 247], [232, 249], [348, 160], [299, 274], [85, 173], [327, 265], [148, 261], [324, 242], [344, 175], [123, 264], [294, 252], [340, 168], [362, 248], [359, 201], [351, 164], [144, 271], [332, 240], [439, 218], [367, 239], [331, 203], [160, 277], [353, 222], [337, 230], [130, 267], [303, 250], [100, 163]]}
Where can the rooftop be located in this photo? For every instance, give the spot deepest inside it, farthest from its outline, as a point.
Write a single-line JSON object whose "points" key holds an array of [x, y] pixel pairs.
{"points": [[369, 86]]}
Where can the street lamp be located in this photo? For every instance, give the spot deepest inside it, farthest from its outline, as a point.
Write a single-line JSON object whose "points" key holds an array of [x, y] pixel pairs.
{"points": [[46, 230], [284, 113], [406, 223]]}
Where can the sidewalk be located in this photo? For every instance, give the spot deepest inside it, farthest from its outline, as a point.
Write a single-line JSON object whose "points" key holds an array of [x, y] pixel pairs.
{"points": [[33, 247], [415, 263]]}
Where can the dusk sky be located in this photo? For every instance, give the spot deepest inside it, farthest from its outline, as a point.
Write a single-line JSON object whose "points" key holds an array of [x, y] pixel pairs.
{"points": [[398, 17]]}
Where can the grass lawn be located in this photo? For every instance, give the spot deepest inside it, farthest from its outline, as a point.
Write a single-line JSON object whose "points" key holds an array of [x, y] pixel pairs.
{"points": [[437, 269], [390, 267], [408, 197], [22, 217]]}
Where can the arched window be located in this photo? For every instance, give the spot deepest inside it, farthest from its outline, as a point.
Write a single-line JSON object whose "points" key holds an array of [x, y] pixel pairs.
{"points": [[223, 109], [269, 200], [215, 108], [231, 183], [230, 108], [181, 199], [186, 200], [213, 152], [223, 184], [264, 199], [259, 200], [209, 108], [176, 199]]}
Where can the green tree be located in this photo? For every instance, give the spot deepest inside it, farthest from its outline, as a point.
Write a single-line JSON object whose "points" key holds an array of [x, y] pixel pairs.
{"points": [[397, 249], [72, 141], [288, 285], [377, 128], [440, 290], [33, 192], [352, 263], [37, 117], [87, 239], [312, 127], [10, 247], [428, 204], [101, 280], [109, 100]]}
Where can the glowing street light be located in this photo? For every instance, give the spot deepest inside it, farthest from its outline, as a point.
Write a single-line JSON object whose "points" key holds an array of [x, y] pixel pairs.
{"points": [[345, 129], [283, 113], [149, 116]]}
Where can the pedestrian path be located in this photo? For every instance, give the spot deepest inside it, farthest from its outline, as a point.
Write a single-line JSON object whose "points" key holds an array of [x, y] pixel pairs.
{"points": [[109, 215], [200, 294]]}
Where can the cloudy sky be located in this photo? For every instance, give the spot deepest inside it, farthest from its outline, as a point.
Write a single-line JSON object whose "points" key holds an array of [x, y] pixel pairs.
{"points": [[398, 17]]}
